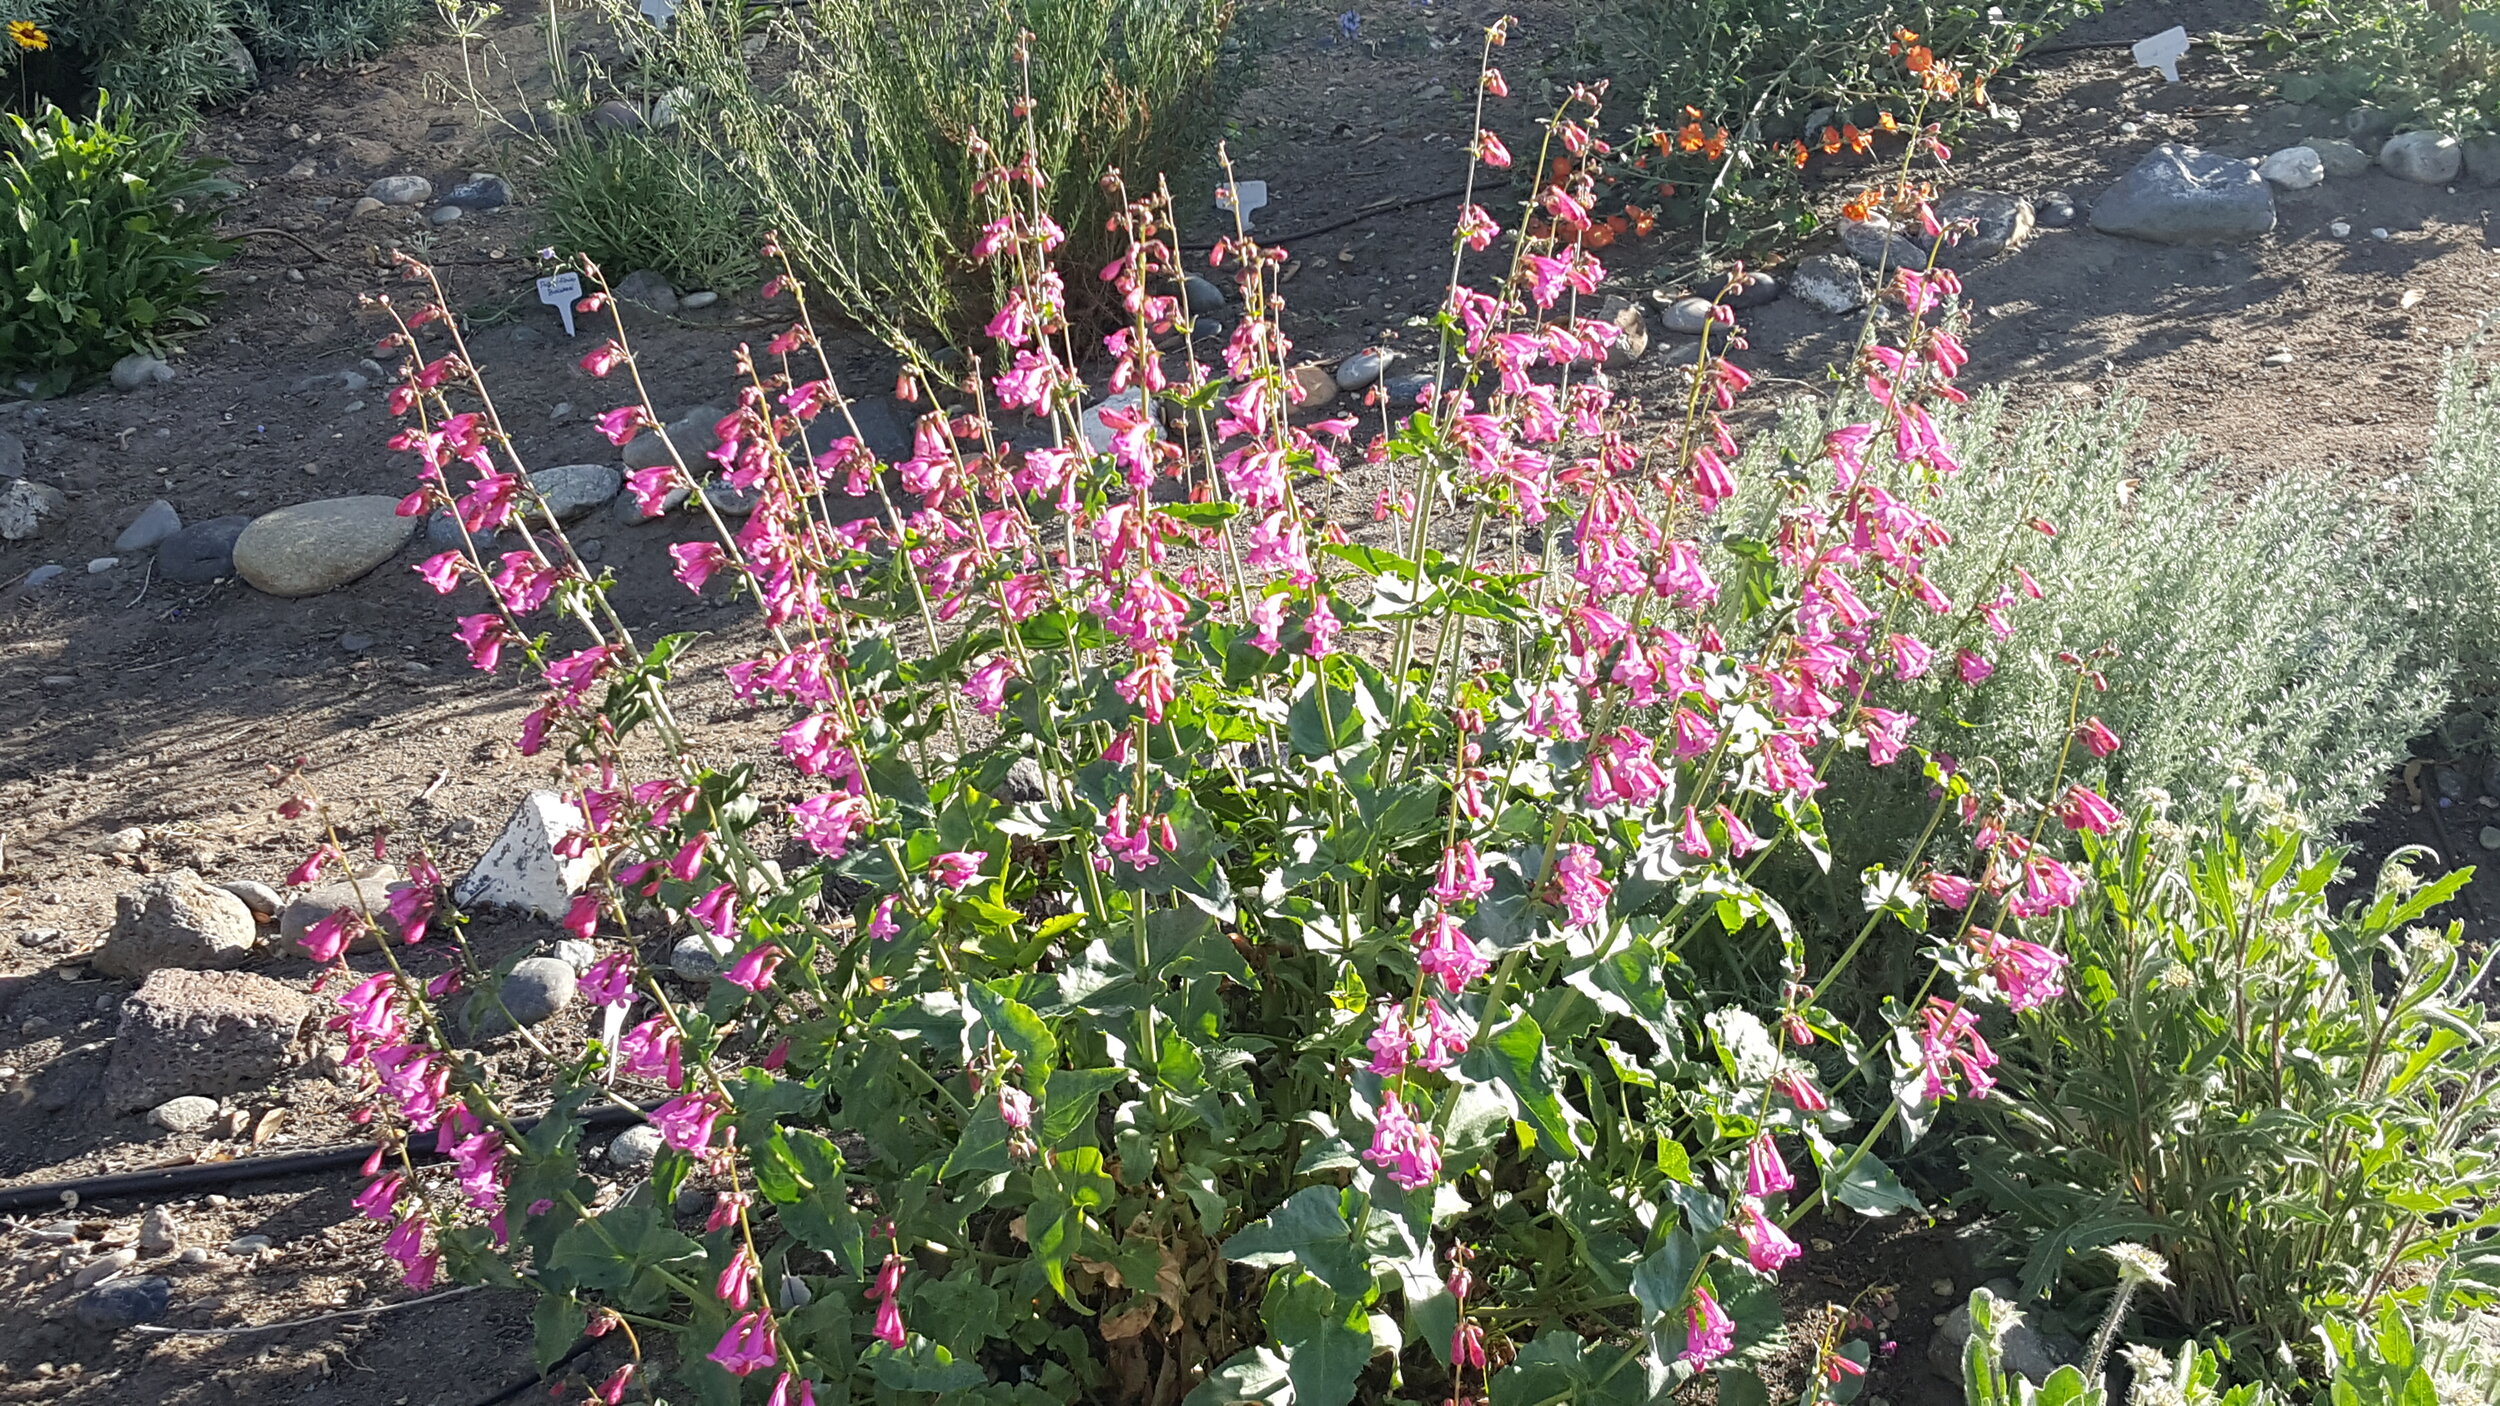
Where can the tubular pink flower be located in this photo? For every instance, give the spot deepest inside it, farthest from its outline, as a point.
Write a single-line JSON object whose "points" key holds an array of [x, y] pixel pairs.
{"points": [[610, 980], [1765, 1173], [2083, 809], [1584, 888], [754, 969], [2096, 737], [716, 911], [1708, 1332], [1401, 1146], [884, 1293], [747, 1346], [1462, 877], [2029, 974], [956, 868], [685, 1122], [1767, 1247], [1442, 949]]}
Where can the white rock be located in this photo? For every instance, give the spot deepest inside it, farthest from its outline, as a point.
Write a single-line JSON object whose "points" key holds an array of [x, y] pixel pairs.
{"points": [[97, 566], [2293, 168], [2425, 158], [577, 954], [187, 1114], [250, 1245], [634, 1148], [139, 369], [159, 1232], [2341, 229], [104, 1267], [1828, 284], [703, 298], [521, 869], [28, 507], [401, 190], [1097, 434]]}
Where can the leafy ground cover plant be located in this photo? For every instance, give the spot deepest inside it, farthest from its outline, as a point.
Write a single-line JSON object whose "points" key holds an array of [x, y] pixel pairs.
{"points": [[109, 228], [2293, 1105], [637, 200], [1179, 952], [166, 57], [2432, 63], [1737, 96], [2448, 558]]}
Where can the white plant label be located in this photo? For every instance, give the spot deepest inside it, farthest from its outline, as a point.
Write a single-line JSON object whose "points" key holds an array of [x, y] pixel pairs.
{"points": [[659, 12], [1248, 197], [561, 291], [2163, 51]]}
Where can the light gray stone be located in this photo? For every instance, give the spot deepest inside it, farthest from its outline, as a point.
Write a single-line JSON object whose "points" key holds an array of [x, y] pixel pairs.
{"points": [[175, 920], [2424, 158], [104, 1267], [1982, 225], [577, 954], [1361, 370], [315, 547], [521, 869], [139, 369], [43, 576], [535, 991], [2293, 168], [188, 1114], [1631, 326], [1752, 289], [1687, 317], [649, 289], [259, 897], [206, 1033], [2341, 159], [1828, 283], [635, 1148], [159, 1232], [369, 892], [575, 491], [202, 552], [27, 508], [2055, 209], [97, 566], [401, 190], [1878, 244], [698, 957], [444, 214], [2369, 125], [124, 1303], [155, 522], [2180, 195], [694, 433], [699, 300], [615, 115]]}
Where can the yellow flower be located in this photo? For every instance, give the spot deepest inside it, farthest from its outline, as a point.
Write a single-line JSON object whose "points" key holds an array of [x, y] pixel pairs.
{"points": [[25, 35]]}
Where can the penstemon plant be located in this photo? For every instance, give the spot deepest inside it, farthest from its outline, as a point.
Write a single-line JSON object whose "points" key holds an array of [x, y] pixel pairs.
{"points": [[1179, 951]]}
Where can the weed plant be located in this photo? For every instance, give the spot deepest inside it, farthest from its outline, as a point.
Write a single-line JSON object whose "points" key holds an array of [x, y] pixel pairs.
{"points": [[2428, 63]]}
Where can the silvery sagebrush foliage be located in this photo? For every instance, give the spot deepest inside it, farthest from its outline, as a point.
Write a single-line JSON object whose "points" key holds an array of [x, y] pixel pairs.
{"points": [[2241, 634], [2448, 558], [1315, 1029]]}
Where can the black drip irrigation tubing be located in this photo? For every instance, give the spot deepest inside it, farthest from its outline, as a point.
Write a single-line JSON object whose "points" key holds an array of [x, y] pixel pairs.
{"points": [[165, 1180]]}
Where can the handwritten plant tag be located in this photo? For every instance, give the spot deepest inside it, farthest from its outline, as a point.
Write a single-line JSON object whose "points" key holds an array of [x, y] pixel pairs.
{"points": [[561, 290]]}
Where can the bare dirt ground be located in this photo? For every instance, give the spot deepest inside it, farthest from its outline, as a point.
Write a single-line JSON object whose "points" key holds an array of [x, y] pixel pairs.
{"points": [[129, 701]]}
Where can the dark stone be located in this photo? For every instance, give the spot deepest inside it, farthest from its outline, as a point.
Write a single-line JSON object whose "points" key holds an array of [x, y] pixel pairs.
{"points": [[483, 191], [124, 1303], [202, 552], [2180, 195]]}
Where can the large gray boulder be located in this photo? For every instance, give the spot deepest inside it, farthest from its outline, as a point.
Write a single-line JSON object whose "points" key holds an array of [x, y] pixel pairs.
{"points": [[175, 920], [2180, 195], [204, 1033], [315, 547]]}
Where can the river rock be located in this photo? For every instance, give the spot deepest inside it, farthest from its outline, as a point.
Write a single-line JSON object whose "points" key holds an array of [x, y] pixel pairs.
{"points": [[444, 214], [315, 547], [1828, 283], [1631, 326], [1203, 295], [159, 1232], [1989, 223], [372, 884], [635, 1148], [1312, 386], [259, 897], [2180, 195], [12, 456], [2293, 168], [1878, 244], [188, 1114], [2055, 209], [481, 191], [1751, 289], [2425, 158], [27, 508], [139, 370], [104, 1267], [533, 992], [693, 433], [206, 1033], [521, 869], [1686, 317], [401, 190], [615, 115], [2341, 159], [155, 522], [575, 491], [202, 552], [175, 920], [648, 288], [1364, 368], [124, 1303]]}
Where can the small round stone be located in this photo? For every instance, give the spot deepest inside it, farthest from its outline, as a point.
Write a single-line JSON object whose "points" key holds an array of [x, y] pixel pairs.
{"points": [[635, 1148], [577, 954], [187, 1114], [702, 299], [538, 988], [697, 957], [1204, 297], [1688, 316]]}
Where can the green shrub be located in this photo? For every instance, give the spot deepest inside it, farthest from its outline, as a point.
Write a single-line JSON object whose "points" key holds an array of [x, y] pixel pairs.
{"points": [[635, 200], [2215, 670], [111, 228], [2294, 1106], [2429, 62], [853, 139], [326, 32], [2448, 559], [169, 56]]}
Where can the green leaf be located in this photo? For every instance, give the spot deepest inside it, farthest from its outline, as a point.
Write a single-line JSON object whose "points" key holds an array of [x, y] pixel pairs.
{"points": [[1325, 1343], [1065, 1190], [1310, 1230], [612, 1249], [1256, 1375], [1015, 1025], [555, 1326], [1518, 1058]]}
